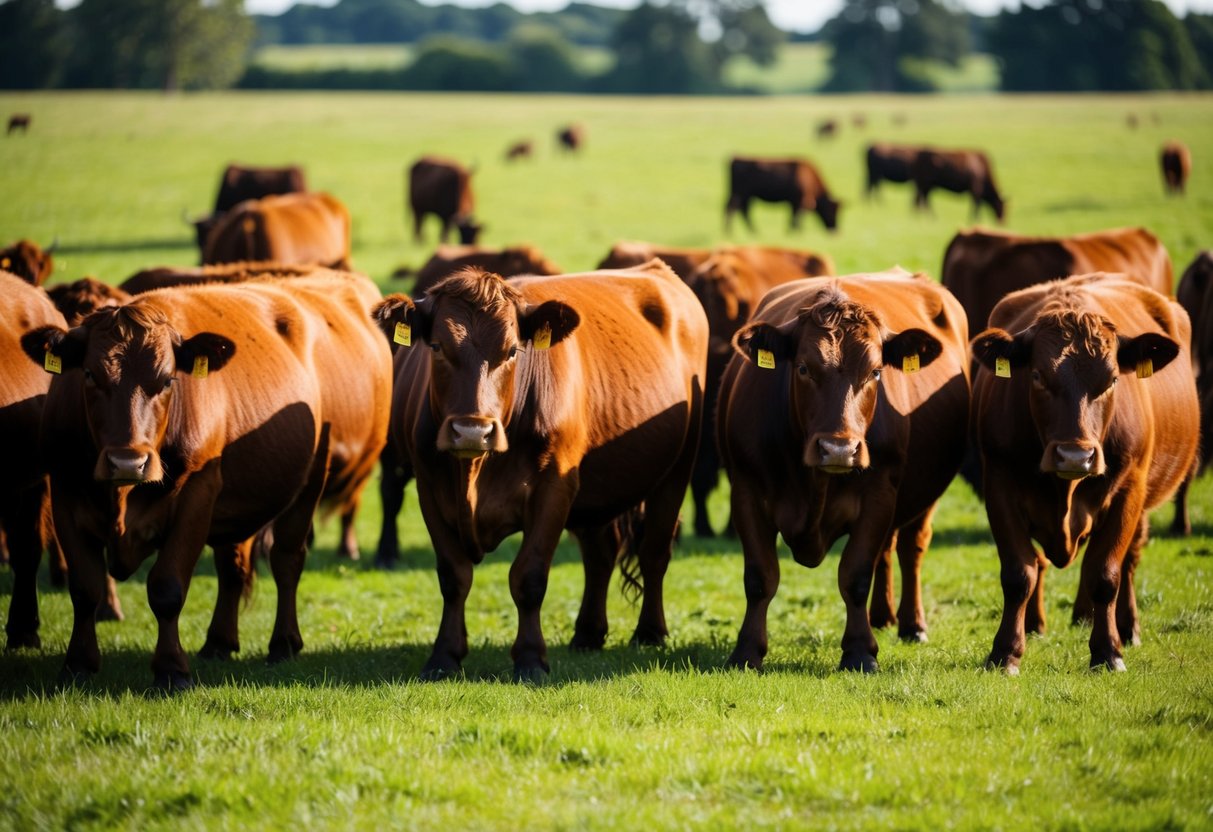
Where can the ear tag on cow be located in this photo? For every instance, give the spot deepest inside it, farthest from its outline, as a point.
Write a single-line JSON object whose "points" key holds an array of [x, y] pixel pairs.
{"points": [[1002, 367], [403, 335], [52, 363], [5, 263], [911, 363], [543, 337], [201, 367], [1145, 368], [249, 225], [766, 359]]}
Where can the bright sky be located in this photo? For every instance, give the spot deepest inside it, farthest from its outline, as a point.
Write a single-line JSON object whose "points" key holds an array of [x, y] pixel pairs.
{"points": [[792, 15]]}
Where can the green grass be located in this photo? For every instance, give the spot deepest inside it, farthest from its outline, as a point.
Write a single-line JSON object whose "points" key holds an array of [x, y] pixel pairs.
{"points": [[346, 737]]}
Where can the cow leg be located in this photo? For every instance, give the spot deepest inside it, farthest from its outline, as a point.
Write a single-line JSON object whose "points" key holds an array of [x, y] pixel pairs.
{"points": [[912, 543], [872, 530], [529, 577], [880, 611], [417, 217], [393, 477], [1181, 524], [1127, 624], [1019, 572], [704, 479], [446, 230], [757, 533], [1034, 613], [455, 582], [730, 208], [21, 518], [1102, 572], [234, 569], [599, 548], [347, 548]]}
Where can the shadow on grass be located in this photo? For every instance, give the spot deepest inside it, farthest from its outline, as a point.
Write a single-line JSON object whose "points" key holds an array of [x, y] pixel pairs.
{"points": [[120, 246]]}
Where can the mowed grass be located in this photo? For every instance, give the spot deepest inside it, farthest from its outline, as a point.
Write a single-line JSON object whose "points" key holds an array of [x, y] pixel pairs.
{"points": [[345, 736]]}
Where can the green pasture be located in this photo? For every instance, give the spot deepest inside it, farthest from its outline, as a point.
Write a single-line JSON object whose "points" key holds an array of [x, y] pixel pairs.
{"points": [[346, 737]]}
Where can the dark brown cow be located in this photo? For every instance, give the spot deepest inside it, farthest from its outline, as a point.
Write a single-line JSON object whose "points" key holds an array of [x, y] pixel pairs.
{"points": [[959, 171], [443, 188], [1195, 295], [148, 450], [827, 129], [507, 262], [520, 150], [840, 416], [794, 181], [626, 254], [1176, 161], [729, 285], [242, 182], [545, 403], [163, 277], [1093, 422], [79, 299], [292, 228], [889, 162], [28, 261], [19, 121], [570, 138]]}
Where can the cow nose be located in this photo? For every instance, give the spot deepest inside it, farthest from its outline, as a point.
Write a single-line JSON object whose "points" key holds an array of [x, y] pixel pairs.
{"points": [[1074, 459], [837, 453], [472, 433], [128, 466]]}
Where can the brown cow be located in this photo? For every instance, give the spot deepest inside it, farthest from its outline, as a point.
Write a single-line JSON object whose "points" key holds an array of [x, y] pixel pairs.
{"points": [[1176, 161], [840, 416], [545, 403], [794, 181], [443, 188], [148, 450], [626, 254], [28, 261], [523, 149], [729, 285], [79, 299], [292, 228], [162, 277], [242, 182], [959, 171], [827, 129], [1195, 295], [507, 262], [889, 162], [570, 138], [1092, 423], [19, 121]]}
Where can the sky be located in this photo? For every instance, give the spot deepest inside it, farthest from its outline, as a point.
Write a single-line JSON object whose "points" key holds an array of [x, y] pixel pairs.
{"points": [[791, 15]]}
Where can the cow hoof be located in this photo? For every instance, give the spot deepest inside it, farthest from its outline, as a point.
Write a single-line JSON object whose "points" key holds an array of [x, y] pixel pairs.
{"points": [[913, 636], [217, 651], [107, 612], [433, 672], [283, 651], [586, 642], [21, 641], [858, 662], [172, 681], [530, 675], [704, 530], [349, 554], [1115, 664], [385, 564], [1006, 664], [647, 637], [741, 661], [69, 678], [880, 620]]}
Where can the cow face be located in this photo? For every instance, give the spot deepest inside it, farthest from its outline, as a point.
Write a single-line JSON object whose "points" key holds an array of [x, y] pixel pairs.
{"points": [[469, 230], [833, 355], [1073, 361], [474, 325], [128, 360], [827, 209]]}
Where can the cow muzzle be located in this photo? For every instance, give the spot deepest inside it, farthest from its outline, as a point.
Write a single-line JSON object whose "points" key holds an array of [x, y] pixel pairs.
{"points": [[472, 436], [124, 466], [1072, 460], [836, 454]]}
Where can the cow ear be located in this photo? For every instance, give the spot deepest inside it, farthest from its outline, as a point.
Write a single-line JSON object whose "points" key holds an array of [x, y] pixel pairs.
{"points": [[759, 336], [206, 352], [558, 318], [67, 345], [402, 320], [997, 345], [902, 349], [1146, 354]]}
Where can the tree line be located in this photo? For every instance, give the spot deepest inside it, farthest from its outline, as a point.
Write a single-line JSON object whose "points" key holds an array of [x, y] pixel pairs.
{"points": [[660, 47]]}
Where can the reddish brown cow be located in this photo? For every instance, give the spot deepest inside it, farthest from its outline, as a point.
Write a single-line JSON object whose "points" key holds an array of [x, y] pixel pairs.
{"points": [[1176, 161], [163, 277], [827, 129], [79, 299], [570, 138], [520, 150], [683, 261], [839, 415], [729, 285], [292, 228], [507, 262], [148, 450], [1085, 414], [959, 171], [794, 181], [242, 182], [28, 261], [545, 403], [443, 188], [19, 121], [889, 162]]}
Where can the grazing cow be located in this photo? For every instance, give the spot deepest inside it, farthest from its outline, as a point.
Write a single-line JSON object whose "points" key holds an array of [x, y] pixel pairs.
{"points": [[840, 415], [794, 181], [79, 299], [443, 188], [523, 149], [28, 261], [19, 121], [570, 138], [162, 277], [187, 417], [1085, 414], [859, 120], [827, 129], [626, 254], [292, 228], [891, 162], [729, 285], [240, 183], [507, 262], [1176, 161], [959, 171], [544, 403]]}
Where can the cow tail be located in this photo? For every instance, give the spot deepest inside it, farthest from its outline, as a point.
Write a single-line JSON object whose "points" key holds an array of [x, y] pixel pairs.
{"points": [[629, 530]]}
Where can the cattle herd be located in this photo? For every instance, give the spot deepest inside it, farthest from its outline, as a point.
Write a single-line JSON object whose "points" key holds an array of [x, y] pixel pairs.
{"points": [[225, 404]]}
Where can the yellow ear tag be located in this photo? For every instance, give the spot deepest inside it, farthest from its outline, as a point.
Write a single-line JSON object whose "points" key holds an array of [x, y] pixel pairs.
{"points": [[249, 225], [766, 359], [52, 363], [5, 263], [1145, 369], [911, 363], [543, 337], [403, 335], [201, 366], [1002, 367]]}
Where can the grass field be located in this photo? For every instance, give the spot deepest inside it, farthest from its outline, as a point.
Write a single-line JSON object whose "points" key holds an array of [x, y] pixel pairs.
{"points": [[657, 738]]}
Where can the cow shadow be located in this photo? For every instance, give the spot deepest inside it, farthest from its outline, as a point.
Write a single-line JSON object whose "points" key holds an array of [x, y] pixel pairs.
{"points": [[119, 246]]}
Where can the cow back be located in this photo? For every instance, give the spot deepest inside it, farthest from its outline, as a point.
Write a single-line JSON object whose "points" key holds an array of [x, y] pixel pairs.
{"points": [[163, 277], [627, 254], [240, 183], [507, 262], [293, 228]]}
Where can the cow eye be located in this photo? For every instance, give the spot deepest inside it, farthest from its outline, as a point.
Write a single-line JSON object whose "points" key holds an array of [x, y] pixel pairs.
{"points": [[168, 382], [436, 347], [513, 352], [88, 378], [1036, 376], [803, 369], [876, 374]]}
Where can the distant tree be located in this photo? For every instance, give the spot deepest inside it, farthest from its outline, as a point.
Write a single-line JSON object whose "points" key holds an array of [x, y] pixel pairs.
{"points": [[542, 60], [877, 44], [1200, 31], [447, 63], [32, 44]]}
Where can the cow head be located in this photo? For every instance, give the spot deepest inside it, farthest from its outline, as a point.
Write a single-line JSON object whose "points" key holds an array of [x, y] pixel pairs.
{"points": [[469, 229], [28, 261], [723, 290], [79, 299], [203, 227], [827, 209], [474, 324], [1073, 360], [832, 355], [128, 358]]}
